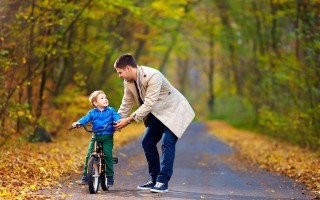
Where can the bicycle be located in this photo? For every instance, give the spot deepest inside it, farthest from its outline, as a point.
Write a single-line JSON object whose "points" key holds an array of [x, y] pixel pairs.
{"points": [[96, 163]]}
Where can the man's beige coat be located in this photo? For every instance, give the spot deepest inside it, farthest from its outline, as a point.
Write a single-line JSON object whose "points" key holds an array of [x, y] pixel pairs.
{"points": [[160, 98]]}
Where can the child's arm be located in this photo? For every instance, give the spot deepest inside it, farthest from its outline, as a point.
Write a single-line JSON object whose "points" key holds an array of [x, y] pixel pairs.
{"points": [[115, 115], [84, 120]]}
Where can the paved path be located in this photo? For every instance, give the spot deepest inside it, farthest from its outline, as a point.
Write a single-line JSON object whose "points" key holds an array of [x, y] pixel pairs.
{"points": [[205, 168]]}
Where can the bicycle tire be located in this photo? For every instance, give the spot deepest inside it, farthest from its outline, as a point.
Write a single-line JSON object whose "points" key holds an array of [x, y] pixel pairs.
{"points": [[93, 175], [104, 184]]}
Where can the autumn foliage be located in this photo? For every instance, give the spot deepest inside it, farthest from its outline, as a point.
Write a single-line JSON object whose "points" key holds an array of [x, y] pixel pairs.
{"points": [[28, 167], [273, 155]]}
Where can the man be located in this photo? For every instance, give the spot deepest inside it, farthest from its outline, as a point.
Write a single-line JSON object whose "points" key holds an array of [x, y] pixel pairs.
{"points": [[165, 111]]}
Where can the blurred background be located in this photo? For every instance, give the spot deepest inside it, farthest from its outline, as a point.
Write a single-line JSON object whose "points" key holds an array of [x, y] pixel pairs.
{"points": [[255, 64]]}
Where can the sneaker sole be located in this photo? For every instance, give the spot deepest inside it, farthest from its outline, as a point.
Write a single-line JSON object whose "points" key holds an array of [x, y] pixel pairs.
{"points": [[143, 188], [159, 191]]}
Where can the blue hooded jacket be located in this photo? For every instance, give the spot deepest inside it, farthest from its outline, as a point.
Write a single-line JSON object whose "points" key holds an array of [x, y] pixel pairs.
{"points": [[99, 119]]}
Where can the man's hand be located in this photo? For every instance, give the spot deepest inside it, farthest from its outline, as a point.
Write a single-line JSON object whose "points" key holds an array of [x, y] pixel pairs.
{"points": [[121, 123]]}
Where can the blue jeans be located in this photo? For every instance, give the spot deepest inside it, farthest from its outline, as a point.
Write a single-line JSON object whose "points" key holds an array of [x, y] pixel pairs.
{"points": [[159, 170]]}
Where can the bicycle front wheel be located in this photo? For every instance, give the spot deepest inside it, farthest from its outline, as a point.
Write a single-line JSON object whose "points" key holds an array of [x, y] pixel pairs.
{"points": [[93, 175], [104, 185]]}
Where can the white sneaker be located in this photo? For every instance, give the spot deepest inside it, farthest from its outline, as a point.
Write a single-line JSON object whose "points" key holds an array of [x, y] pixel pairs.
{"points": [[160, 188], [146, 186]]}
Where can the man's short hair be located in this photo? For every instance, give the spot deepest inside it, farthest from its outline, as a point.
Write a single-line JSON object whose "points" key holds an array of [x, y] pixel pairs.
{"points": [[125, 60]]}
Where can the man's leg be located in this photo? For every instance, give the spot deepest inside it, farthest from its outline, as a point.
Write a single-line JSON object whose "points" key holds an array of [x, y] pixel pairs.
{"points": [[150, 139], [169, 141]]}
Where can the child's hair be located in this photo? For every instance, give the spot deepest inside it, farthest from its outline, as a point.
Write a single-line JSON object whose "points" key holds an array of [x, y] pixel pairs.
{"points": [[93, 96]]}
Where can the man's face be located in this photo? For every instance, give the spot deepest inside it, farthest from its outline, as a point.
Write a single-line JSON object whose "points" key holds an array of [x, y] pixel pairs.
{"points": [[125, 73]]}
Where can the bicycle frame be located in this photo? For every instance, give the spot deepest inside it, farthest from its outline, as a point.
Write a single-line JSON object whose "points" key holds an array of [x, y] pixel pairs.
{"points": [[96, 162], [97, 154]]}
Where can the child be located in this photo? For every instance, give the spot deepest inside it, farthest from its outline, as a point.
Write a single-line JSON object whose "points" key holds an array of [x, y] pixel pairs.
{"points": [[100, 116]]}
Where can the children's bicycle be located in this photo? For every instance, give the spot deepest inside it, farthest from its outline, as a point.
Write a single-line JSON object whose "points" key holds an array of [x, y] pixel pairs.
{"points": [[96, 173]]}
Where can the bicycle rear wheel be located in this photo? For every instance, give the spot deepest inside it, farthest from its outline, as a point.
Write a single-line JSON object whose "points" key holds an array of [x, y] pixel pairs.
{"points": [[93, 175]]}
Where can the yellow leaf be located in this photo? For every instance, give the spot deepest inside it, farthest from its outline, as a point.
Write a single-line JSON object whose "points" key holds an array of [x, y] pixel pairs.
{"points": [[43, 170], [129, 173], [33, 187]]}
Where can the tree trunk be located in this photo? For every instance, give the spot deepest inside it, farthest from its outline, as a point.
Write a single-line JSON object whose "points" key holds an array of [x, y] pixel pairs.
{"points": [[30, 61], [67, 64], [174, 36], [211, 73], [183, 64], [258, 29], [165, 59], [274, 41], [297, 30], [225, 18], [43, 78], [141, 44]]}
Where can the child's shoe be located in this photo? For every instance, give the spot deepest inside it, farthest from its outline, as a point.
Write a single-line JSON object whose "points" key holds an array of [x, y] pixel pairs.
{"points": [[110, 181], [84, 180]]}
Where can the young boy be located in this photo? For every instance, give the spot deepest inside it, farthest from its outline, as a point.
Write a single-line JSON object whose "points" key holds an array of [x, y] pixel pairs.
{"points": [[100, 116]]}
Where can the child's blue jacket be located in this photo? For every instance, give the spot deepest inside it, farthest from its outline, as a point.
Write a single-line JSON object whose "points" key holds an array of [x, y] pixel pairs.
{"points": [[99, 119]]}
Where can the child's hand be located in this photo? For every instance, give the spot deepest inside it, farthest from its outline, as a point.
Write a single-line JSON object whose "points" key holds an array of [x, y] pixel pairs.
{"points": [[75, 124]]}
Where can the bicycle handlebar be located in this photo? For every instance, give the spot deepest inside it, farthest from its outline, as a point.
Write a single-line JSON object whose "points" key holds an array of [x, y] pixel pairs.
{"points": [[92, 131]]}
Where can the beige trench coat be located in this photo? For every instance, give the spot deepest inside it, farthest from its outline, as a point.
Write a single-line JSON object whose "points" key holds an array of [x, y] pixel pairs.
{"points": [[160, 98]]}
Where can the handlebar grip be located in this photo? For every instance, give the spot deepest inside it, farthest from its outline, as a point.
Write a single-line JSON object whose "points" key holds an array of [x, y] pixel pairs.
{"points": [[73, 127]]}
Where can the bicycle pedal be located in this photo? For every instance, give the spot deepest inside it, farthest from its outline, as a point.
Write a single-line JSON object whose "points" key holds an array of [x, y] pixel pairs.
{"points": [[115, 160]]}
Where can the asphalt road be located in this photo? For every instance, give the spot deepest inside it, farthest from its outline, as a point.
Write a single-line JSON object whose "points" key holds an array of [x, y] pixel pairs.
{"points": [[205, 168]]}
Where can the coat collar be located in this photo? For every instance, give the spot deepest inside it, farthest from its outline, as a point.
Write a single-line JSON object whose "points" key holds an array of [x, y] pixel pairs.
{"points": [[97, 110]]}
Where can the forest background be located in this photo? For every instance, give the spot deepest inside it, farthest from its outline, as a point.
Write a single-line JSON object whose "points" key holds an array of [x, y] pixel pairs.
{"points": [[255, 64]]}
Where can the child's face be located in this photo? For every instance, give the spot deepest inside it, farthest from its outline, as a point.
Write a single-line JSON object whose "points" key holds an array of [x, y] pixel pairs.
{"points": [[101, 101]]}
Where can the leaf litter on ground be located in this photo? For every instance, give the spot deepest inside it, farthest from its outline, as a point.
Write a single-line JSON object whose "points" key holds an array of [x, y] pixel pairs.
{"points": [[26, 167], [273, 155]]}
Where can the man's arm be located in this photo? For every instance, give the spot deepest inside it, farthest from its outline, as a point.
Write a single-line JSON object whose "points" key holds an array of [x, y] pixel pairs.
{"points": [[125, 107], [127, 103], [151, 98]]}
